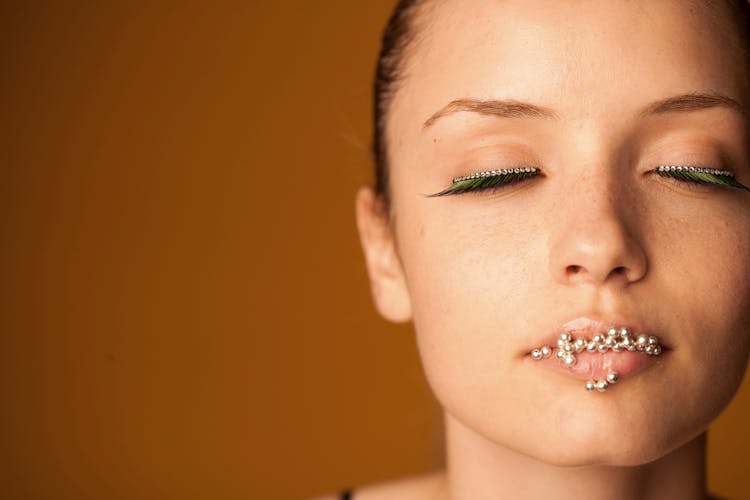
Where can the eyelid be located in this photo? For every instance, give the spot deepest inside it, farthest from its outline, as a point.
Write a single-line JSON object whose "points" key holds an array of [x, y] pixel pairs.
{"points": [[687, 168], [491, 173], [487, 179], [700, 175]]}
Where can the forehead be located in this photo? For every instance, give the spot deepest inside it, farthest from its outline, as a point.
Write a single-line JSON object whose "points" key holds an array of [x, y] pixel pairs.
{"points": [[582, 58]]}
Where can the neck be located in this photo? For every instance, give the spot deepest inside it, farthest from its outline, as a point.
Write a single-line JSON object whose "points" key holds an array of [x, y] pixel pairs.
{"points": [[478, 468]]}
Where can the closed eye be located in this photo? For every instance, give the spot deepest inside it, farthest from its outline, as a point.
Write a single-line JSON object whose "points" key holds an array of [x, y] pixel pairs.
{"points": [[488, 180], [700, 176]]}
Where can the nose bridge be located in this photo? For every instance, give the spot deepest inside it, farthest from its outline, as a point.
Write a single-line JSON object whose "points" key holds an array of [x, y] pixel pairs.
{"points": [[594, 201], [592, 241]]}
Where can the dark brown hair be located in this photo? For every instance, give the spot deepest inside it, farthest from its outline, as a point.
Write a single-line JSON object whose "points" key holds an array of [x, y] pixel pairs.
{"points": [[397, 40]]}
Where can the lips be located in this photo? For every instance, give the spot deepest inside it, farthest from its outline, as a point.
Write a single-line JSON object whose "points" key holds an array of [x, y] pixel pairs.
{"points": [[587, 328], [597, 365]]}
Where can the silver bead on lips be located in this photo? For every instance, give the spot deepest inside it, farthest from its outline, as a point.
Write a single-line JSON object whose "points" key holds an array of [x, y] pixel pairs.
{"points": [[602, 385], [616, 339]]}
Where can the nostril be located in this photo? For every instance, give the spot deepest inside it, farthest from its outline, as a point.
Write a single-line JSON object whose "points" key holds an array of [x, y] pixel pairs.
{"points": [[574, 269]]}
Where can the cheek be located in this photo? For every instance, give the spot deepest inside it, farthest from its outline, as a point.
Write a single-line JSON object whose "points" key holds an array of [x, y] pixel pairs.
{"points": [[700, 269], [470, 284], [700, 289], [462, 272]]}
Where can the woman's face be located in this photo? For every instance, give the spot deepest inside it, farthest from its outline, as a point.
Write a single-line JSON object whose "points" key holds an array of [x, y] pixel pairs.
{"points": [[598, 236]]}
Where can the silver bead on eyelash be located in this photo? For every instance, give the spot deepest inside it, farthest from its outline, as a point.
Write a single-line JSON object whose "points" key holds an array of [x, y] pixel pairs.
{"points": [[491, 173], [699, 170]]}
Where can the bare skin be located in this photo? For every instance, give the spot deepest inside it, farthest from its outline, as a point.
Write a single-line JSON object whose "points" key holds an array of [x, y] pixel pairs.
{"points": [[486, 277]]}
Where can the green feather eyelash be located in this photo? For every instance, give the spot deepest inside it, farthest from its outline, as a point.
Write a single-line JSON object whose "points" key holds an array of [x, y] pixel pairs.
{"points": [[701, 175], [487, 179], [492, 178]]}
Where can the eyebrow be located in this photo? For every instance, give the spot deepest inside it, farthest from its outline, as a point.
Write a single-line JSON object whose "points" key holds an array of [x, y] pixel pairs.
{"points": [[693, 102], [510, 108], [503, 108]]}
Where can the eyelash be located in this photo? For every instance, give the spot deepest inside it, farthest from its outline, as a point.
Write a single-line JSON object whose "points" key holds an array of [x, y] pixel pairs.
{"points": [[499, 179], [488, 180], [699, 176]]}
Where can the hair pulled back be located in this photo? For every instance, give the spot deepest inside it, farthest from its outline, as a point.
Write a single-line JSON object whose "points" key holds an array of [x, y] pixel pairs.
{"points": [[397, 38]]}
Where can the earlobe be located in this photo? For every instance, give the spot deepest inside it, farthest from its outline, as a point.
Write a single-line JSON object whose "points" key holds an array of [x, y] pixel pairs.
{"points": [[387, 279]]}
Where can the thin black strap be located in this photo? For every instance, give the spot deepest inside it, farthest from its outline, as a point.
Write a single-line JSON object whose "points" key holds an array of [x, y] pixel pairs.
{"points": [[346, 495]]}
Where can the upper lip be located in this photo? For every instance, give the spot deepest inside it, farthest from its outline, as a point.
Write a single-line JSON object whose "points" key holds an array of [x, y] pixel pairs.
{"points": [[587, 327]]}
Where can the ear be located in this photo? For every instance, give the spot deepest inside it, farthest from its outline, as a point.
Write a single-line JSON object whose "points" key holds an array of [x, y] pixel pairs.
{"points": [[387, 279]]}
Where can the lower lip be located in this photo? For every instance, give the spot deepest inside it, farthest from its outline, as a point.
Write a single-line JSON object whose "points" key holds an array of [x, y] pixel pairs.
{"points": [[596, 366]]}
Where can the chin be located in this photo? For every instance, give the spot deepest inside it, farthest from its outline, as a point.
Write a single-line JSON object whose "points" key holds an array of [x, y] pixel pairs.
{"points": [[606, 454], [610, 445]]}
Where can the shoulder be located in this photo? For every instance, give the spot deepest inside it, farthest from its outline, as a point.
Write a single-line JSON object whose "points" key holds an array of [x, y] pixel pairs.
{"points": [[424, 486]]}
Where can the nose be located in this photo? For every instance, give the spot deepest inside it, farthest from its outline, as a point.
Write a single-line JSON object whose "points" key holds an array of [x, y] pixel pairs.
{"points": [[592, 243]]}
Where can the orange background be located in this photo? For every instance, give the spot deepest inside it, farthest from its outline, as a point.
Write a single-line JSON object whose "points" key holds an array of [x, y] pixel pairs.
{"points": [[184, 310]]}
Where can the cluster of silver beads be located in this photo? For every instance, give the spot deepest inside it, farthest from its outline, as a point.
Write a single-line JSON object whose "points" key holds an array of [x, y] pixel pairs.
{"points": [[602, 385], [502, 171], [568, 347], [615, 339], [541, 353], [699, 170]]}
